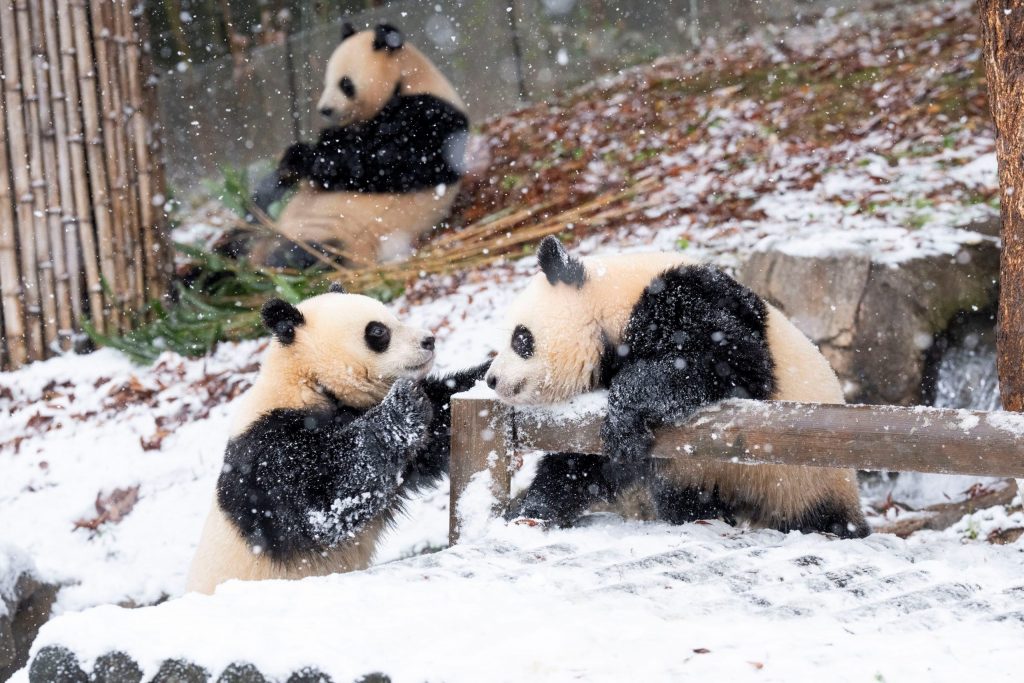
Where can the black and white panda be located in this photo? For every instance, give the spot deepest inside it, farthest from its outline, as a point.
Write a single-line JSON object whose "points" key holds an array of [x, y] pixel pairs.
{"points": [[339, 425], [664, 336], [388, 167]]}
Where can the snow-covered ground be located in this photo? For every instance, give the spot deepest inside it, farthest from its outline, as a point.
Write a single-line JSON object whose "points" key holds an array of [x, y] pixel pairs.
{"points": [[608, 603], [107, 470]]}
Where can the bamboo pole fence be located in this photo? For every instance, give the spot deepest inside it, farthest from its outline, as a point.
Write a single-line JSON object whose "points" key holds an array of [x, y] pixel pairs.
{"points": [[82, 232]]}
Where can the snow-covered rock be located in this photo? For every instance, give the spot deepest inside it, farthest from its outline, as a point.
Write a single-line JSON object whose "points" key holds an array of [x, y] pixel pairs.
{"points": [[25, 603], [875, 322]]}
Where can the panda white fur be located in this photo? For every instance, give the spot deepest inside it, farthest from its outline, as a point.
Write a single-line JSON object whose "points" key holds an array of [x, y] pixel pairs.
{"points": [[388, 167], [339, 425], [665, 336]]}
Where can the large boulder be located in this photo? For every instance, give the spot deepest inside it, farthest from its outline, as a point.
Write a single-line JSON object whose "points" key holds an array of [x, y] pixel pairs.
{"points": [[25, 603], [876, 322]]}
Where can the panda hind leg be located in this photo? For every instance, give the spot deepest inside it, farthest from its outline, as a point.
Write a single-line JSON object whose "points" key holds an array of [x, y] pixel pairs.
{"points": [[831, 516], [677, 503], [565, 486]]}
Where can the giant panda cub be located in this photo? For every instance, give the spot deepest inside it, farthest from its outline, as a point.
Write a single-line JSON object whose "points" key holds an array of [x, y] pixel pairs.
{"points": [[338, 427], [665, 336], [388, 167]]}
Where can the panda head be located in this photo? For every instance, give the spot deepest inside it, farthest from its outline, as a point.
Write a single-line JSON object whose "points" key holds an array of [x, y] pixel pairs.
{"points": [[555, 339], [364, 73], [346, 344]]}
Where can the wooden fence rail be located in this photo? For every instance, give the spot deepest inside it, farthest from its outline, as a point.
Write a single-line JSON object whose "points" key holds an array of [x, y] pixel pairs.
{"points": [[81, 229], [488, 435]]}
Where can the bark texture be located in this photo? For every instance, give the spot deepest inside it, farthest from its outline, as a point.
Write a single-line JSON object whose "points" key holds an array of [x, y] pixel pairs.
{"points": [[1002, 28]]}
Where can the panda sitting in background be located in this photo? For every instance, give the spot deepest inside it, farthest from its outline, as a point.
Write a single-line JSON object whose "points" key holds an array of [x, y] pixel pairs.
{"points": [[385, 171], [339, 426], [665, 337]]}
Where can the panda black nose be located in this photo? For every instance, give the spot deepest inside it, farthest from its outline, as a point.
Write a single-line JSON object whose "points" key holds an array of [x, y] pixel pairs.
{"points": [[327, 112], [428, 343], [492, 381]]}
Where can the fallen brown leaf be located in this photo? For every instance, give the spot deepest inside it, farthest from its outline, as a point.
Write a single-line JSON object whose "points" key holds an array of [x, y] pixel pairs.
{"points": [[111, 508]]}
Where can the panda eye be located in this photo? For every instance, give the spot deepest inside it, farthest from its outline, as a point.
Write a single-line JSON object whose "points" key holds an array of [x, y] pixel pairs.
{"points": [[522, 341], [377, 336], [347, 87]]}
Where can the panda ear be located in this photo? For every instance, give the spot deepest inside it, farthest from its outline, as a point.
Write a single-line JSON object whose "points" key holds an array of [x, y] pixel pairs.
{"points": [[347, 31], [281, 318], [336, 288], [387, 37], [558, 265]]}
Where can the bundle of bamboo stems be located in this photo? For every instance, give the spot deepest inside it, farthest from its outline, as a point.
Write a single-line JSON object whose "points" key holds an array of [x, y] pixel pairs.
{"points": [[485, 241], [81, 226]]}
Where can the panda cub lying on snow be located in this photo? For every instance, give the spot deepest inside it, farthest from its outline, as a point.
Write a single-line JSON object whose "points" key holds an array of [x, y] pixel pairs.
{"points": [[665, 337], [340, 424]]}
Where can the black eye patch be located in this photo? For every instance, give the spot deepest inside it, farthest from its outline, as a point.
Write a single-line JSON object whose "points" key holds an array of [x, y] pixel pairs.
{"points": [[377, 336], [522, 341], [347, 87]]}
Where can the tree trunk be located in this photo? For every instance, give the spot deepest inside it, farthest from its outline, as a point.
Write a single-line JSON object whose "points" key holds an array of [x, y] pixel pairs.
{"points": [[1002, 27]]}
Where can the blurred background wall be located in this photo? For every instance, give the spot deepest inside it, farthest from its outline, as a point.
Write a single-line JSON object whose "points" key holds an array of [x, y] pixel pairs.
{"points": [[241, 79]]}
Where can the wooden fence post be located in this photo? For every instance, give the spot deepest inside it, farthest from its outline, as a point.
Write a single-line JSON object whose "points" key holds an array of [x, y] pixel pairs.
{"points": [[481, 440], [1002, 28]]}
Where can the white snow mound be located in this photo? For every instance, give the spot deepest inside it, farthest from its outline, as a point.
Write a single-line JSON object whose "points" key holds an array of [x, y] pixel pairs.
{"points": [[606, 603]]}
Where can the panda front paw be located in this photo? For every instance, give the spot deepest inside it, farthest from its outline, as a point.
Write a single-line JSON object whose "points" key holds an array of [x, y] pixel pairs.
{"points": [[627, 437], [409, 412], [295, 163]]}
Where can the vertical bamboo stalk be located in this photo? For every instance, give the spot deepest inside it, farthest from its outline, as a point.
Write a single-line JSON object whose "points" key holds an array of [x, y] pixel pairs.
{"points": [[149, 272], [58, 106], [82, 214], [128, 166], [10, 285], [101, 31], [40, 230], [101, 203], [61, 326], [22, 185]]}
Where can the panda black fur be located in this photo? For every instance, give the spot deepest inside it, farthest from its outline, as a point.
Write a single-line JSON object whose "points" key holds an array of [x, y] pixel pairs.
{"points": [[386, 170], [666, 337], [308, 484]]}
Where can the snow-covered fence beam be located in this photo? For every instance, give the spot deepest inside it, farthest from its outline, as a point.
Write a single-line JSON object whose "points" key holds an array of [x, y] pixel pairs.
{"points": [[487, 435]]}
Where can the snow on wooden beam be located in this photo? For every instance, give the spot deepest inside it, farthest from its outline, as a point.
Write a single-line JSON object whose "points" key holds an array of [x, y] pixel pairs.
{"points": [[487, 435]]}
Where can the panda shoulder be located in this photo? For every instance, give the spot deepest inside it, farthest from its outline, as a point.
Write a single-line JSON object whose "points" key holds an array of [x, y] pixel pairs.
{"points": [[690, 287]]}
